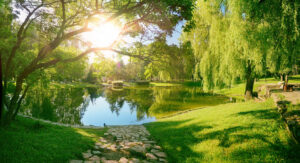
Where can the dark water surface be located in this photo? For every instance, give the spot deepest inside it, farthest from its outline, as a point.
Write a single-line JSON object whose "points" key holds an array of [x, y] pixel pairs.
{"points": [[92, 106]]}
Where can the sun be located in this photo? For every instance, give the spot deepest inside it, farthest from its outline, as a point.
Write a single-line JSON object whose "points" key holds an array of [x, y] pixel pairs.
{"points": [[102, 35]]}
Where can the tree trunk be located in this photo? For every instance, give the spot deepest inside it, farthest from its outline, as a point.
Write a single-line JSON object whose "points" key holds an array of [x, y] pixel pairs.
{"points": [[13, 102], [285, 87], [1, 91], [249, 88], [20, 101], [249, 83]]}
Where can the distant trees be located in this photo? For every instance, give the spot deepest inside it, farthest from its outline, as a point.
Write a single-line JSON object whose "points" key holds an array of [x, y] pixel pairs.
{"points": [[155, 61], [238, 39], [165, 62], [44, 26], [106, 69]]}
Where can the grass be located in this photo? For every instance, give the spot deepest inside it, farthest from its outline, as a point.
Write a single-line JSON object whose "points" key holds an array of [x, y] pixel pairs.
{"points": [[32, 141], [237, 91], [158, 84], [176, 83], [240, 132], [73, 85]]}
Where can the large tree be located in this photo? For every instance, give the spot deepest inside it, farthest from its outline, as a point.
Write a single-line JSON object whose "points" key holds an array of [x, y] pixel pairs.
{"points": [[55, 23], [238, 39]]}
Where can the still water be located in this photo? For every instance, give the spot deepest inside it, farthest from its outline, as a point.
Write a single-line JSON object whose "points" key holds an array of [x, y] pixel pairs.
{"points": [[96, 106]]}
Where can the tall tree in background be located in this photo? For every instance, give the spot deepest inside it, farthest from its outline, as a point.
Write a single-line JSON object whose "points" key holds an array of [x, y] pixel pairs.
{"points": [[239, 39], [284, 36], [57, 22]]}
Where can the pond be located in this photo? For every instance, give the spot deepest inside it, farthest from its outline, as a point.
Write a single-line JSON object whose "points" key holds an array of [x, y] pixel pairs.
{"points": [[132, 105]]}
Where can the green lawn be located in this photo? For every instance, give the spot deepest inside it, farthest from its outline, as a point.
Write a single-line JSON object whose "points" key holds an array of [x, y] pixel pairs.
{"points": [[237, 91], [31, 141], [74, 85], [241, 132]]}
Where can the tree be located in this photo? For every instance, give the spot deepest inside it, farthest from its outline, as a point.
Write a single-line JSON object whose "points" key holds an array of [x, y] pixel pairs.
{"points": [[239, 39], [165, 62], [58, 22], [5, 37], [283, 57]]}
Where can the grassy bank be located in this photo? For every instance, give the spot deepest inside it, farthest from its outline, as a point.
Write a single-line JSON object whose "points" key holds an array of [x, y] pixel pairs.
{"points": [[74, 85], [31, 141], [237, 90], [241, 132]]}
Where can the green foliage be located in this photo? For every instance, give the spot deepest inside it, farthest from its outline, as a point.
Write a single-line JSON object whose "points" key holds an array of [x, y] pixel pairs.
{"points": [[105, 69], [165, 62], [235, 40]]}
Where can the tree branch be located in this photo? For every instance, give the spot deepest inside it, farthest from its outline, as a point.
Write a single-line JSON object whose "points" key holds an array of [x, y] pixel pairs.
{"points": [[20, 101], [18, 43]]}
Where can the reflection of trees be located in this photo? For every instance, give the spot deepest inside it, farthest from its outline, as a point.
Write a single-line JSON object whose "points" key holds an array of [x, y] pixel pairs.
{"points": [[171, 99], [59, 105], [115, 99], [94, 93], [69, 105], [159, 101], [139, 100]]}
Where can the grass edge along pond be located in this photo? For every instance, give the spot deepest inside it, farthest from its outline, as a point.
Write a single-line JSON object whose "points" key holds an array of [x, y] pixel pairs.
{"points": [[239, 132], [27, 140], [235, 132]]}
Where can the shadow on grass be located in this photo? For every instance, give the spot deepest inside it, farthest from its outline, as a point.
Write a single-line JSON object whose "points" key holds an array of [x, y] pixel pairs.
{"points": [[262, 114], [286, 153], [180, 139], [31, 141], [177, 140]]}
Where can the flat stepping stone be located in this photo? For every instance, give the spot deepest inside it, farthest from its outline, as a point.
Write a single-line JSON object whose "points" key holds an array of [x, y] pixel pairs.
{"points": [[94, 158], [125, 144], [138, 149], [134, 160], [96, 152], [87, 155], [150, 156], [123, 160], [160, 154], [157, 147]]}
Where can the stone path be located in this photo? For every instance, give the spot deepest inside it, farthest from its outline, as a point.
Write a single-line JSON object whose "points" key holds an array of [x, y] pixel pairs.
{"points": [[125, 144]]}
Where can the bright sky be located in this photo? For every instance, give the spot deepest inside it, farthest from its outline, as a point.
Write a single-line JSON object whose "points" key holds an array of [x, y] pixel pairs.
{"points": [[105, 35]]}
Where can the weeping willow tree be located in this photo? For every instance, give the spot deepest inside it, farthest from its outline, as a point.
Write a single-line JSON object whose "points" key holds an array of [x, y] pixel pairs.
{"points": [[285, 53], [237, 40]]}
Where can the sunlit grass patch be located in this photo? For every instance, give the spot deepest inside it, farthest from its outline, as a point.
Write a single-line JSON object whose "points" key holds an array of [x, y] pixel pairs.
{"points": [[240, 132]]}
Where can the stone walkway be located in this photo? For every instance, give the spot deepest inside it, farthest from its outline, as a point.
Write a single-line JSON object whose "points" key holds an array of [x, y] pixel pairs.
{"points": [[125, 144]]}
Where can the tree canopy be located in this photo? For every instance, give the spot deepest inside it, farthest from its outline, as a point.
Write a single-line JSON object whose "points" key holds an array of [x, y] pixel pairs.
{"points": [[241, 40]]}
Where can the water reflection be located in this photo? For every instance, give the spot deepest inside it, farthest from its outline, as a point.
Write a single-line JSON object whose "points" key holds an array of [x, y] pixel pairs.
{"points": [[92, 106]]}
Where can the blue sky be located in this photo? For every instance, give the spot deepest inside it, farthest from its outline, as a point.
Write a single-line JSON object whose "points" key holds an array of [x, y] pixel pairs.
{"points": [[174, 39]]}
